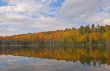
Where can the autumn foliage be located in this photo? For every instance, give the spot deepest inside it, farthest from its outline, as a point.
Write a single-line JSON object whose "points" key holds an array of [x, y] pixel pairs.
{"points": [[85, 35]]}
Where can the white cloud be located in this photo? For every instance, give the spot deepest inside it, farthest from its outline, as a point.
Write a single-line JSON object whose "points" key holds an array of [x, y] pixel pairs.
{"points": [[21, 6], [86, 10], [102, 17], [49, 23], [106, 21], [21, 16], [99, 18], [106, 5], [78, 8]]}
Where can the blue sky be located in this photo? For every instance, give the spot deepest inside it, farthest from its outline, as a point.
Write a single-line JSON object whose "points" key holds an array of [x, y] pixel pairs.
{"points": [[28, 16], [3, 3]]}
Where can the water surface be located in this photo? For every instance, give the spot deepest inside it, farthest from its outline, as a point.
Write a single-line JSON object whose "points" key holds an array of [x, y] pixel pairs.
{"points": [[53, 59]]}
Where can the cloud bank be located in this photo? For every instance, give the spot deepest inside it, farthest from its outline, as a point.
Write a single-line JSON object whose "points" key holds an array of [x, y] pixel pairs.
{"points": [[25, 16]]}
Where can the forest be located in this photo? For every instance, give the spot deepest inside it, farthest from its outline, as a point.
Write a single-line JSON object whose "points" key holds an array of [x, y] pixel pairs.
{"points": [[86, 36]]}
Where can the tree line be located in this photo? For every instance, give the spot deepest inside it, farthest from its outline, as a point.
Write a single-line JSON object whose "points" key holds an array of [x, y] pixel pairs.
{"points": [[89, 35]]}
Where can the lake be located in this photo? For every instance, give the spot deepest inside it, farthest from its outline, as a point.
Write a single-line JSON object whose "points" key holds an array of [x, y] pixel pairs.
{"points": [[30, 58]]}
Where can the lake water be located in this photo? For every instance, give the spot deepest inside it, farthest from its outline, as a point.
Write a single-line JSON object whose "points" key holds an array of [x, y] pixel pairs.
{"points": [[53, 59]]}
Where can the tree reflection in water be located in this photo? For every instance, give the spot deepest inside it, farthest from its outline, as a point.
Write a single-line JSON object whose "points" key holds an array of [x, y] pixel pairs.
{"points": [[84, 55]]}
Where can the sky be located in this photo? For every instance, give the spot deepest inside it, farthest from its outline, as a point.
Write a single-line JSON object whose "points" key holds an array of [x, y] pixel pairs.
{"points": [[30, 16]]}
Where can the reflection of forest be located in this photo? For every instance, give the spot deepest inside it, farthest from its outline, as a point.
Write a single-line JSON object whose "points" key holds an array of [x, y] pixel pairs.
{"points": [[84, 55]]}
